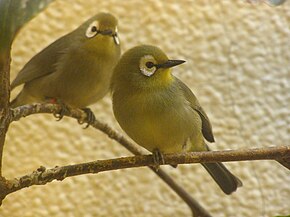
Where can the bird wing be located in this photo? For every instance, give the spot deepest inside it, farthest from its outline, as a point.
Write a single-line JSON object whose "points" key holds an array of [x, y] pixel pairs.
{"points": [[43, 63], [191, 98]]}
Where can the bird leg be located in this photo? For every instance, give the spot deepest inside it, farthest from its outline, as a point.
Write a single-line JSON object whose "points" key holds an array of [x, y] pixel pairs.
{"points": [[64, 108], [90, 119], [157, 158]]}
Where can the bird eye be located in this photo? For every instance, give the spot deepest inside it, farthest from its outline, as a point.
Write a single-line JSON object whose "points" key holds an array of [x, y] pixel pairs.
{"points": [[147, 65], [93, 29]]}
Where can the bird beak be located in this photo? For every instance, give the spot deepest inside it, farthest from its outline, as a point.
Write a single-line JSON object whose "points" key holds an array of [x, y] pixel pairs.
{"points": [[170, 63], [116, 39], [106, 32]]}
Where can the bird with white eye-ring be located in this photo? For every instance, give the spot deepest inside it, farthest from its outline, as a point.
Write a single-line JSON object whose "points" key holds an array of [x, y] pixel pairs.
{"points": [[160, 113], [75, 70]]}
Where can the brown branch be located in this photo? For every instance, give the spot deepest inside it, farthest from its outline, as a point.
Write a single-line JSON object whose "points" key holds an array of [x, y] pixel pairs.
{"points": [[23, 111], [4, 97], [42, 175]]}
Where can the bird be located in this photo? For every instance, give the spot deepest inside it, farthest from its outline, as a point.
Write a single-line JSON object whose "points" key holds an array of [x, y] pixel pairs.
{"points": [[74, 70], [159, 112]]}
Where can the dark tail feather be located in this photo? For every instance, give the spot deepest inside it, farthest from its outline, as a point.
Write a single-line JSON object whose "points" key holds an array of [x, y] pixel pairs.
{"points": [[223, 177]]}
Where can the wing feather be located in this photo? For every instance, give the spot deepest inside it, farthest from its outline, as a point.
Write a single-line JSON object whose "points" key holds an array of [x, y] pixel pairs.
{"points": [[191, 98], [44, 62]]}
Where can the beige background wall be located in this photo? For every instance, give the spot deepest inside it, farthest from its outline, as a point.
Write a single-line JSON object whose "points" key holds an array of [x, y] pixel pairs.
{"points": [[237, 64]]}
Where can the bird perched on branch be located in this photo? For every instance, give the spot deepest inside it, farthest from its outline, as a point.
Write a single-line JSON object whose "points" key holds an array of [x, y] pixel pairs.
{"points": [[76, 69], [159, 112]]}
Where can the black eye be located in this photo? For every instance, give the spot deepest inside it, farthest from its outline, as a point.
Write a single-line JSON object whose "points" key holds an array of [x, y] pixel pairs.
{"points": [[94, 29], [149, 65]]}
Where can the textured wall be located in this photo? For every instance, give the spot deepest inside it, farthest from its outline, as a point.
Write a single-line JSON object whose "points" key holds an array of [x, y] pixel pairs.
{"points": [[237, 64]]}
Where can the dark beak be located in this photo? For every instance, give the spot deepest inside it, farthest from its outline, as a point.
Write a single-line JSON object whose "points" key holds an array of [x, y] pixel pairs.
{"points": [[116, 39], [170, 63], [106, 32]]}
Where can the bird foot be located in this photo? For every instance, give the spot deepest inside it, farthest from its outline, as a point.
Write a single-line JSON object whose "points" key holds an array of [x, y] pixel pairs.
{"points": [[157, 159], [64, 108], [90, 119]]}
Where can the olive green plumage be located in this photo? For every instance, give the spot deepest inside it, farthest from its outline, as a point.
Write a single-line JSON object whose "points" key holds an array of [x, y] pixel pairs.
{"points": [[159, 112], [75, 69]]}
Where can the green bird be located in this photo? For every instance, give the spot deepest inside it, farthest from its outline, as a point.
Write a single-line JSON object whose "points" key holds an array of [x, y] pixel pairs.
{"points": [[75, 69], [159, 112]]}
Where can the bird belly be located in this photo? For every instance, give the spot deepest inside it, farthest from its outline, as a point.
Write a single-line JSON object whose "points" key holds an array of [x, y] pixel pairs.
{"points": [[86, 83], [76, 85], [166, 128]]}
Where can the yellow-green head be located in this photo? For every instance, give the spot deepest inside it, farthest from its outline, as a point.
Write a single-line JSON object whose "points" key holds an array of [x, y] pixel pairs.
{"points": [[98, 30], [76, 68], [143, 66]]}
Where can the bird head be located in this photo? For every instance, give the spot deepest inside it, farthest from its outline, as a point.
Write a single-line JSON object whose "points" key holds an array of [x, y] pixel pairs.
{"points": [[98, 31], [145, 66]]}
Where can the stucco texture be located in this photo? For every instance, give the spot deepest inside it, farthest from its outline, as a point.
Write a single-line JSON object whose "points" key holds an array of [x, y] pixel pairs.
{"points": [[238, 65]]}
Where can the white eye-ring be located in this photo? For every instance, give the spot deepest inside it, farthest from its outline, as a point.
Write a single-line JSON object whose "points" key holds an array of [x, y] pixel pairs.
{"points": [[93, 29], [147, 65]]}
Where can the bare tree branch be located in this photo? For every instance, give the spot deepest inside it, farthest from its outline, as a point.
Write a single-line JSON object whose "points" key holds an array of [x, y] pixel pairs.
{"points": [[42, 175], [13, 15], [80, 115], [4, 98]]}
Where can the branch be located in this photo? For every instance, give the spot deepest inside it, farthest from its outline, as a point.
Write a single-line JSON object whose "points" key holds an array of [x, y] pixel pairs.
{"points": [[4, 97], [13, 15], [42, 175], [80, 115]]}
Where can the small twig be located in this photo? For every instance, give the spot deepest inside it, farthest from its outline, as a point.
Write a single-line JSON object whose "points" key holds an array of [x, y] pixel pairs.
{"points": [[23, 111], [42, 175]]}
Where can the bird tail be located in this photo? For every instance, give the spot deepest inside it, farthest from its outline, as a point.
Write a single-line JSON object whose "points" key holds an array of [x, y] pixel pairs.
{"points": [[223, 177]]}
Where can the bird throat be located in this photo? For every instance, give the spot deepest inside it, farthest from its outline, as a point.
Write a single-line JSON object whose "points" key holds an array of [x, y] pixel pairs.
{"points": [[165, 78]]}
